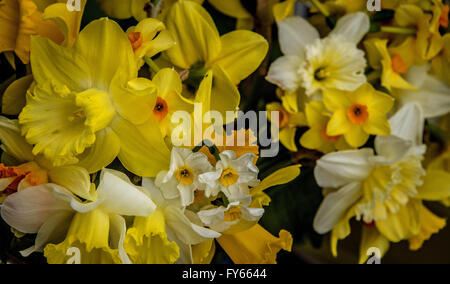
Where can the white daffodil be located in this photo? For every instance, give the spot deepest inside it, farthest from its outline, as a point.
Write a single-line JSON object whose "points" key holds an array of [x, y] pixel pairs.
{"points": [[318, 64], [182, 179], [222, 218], [433, 95], [233, 176], [371, 186], [181, 225], [61, 221]]}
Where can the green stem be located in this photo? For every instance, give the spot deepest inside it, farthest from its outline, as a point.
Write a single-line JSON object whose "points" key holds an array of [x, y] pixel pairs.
{"points": [[398, 30], [155, 68], [322, 9]]}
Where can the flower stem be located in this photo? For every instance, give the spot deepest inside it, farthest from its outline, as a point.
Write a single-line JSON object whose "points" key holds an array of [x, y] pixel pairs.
{"points": [[322, 9], [398, 30], [151, 64]]}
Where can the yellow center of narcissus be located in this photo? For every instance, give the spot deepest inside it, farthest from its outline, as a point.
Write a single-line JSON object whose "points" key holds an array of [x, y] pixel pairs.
{"points": [[398, 65], [161, 109], [136, 39], [233, 214], [185, 176], [358, 114], [229, 177]]}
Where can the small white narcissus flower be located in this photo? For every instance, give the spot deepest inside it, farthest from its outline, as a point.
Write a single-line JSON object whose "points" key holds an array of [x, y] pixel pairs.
{"points": [[232, 176], [182, 178], [222, 218], [319, 64]]}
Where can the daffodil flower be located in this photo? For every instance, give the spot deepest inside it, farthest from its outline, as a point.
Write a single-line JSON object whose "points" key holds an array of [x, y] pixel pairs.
{"points": [[392, 67], [222, 218], [172, 223], [61, 221], [183, 177], [317, 64], [358, 114], [35, 170], [21, 19], [149, 38], [94, 115], [230, 58], [233, 176], [383, 190], [432, 94], [316, 138]]}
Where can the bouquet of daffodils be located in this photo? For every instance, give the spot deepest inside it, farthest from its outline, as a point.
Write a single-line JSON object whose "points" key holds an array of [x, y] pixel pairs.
{"points": [[124, 138]]}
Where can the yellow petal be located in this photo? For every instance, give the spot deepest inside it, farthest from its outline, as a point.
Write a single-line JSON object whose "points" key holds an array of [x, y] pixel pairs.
{"points": [[75, 179], [195, 33], [147, 243], [371, 238], [436, 185], [69, 22], [242, 53], [338, 124], [119, 9], [287, 138], [203, 253], [225, 95], [282, 176], [142, 150], [284, 10], [429, 224], [356, 136], [255, 246], [102, 153], [402, 225], [13, 142], [232, 8], [13, 100]]}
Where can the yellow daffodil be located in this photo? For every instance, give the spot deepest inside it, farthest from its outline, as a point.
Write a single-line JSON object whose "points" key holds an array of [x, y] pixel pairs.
{"points": [[170, 234], [95, 229], [168, 87], [124, 9], [385, 191], [317, 64], [284, 9], [441, 63], [316, 138], [20, 19], [425, 44], [231, 57], [392, 67], [149, 38], [288, 123], [358, 114], [255, 245], [95, 114], [432, 94], [35, 170]]}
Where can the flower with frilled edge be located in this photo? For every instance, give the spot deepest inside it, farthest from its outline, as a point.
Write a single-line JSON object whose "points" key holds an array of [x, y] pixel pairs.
{"points": [[385, 191], [317, 64], [86, 113], [155, 238], [61, 221]]}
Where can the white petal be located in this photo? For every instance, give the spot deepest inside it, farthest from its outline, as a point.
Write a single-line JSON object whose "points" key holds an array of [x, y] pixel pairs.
{"points": [[284, 72], [154, 191], [169, 189], [391, 149], [117, 236], [433, 96], [29, 209], [408, 123], [183, 228], [74, 202], [187, 194], [52, 231], [295, 34], [335, 206], [75, 179], [353, 27], [123, 198], [252, 214], [340, 168]]}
